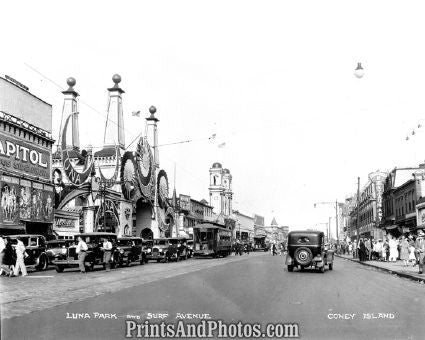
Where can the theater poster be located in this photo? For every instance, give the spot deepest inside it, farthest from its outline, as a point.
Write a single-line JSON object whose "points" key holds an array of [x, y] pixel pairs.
{"points": [[9, 212], [25, 200], [37, 202], [48, 197]]}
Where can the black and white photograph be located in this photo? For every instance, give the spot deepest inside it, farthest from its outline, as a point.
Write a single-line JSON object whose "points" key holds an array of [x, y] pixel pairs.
{"points": [[187, 169]]}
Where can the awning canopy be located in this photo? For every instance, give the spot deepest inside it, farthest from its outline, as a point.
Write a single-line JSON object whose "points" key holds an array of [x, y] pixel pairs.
{"points": [[183, 234], [64, 233], [391, 227], [11, 228]]}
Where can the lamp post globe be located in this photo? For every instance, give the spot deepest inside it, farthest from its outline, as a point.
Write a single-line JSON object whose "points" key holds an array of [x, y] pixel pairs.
{"points": [[359, 71]]}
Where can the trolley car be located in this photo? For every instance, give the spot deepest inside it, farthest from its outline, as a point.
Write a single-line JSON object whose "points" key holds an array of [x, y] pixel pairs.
{"points": [[260, 243], [211, 240]]}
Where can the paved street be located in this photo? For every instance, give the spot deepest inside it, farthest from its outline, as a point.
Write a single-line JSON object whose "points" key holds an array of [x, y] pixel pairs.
{"points": [[254, 288]]}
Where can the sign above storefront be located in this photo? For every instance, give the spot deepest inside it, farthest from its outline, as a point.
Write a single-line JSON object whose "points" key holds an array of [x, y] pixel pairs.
{"points": [[23, 157], [184, 201]]}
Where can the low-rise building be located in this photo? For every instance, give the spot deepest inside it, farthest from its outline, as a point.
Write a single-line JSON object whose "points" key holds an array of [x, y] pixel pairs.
{"points": [[244, 230]]}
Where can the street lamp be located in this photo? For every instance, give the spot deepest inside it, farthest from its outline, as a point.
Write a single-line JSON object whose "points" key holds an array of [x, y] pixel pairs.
{"points": [[359, 71]]}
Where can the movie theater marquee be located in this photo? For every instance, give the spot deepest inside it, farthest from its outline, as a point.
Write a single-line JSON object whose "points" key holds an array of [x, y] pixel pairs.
{"points": [[23, 157]]}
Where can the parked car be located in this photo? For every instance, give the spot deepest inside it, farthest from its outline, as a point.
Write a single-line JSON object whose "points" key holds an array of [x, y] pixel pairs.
{"points": [[131, 249], [307, 249], [94, 252], [168, 249], [35, 248], [57, 248]]}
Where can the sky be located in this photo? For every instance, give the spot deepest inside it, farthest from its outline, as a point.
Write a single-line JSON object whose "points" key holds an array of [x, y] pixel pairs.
{"points": [[272, 79]]}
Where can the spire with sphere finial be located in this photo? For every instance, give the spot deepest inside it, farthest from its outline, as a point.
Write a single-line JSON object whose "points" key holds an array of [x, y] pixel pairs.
{"points": [[71, 83], [152, 111], [114, 129], [116, 78], [70, 107], [152, 134]]}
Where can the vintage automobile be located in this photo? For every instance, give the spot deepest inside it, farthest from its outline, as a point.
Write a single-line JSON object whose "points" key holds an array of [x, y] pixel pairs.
{"points": [[308, 249], [35, 248], [94, 253], [56, 248], [168, 249], [131, 249]]}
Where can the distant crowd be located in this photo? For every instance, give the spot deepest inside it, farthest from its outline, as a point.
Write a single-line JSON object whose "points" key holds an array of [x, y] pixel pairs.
{"points": [[410, 249]]}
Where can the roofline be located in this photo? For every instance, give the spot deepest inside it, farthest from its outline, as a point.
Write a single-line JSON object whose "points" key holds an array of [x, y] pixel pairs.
{"points": [[9, 82]]}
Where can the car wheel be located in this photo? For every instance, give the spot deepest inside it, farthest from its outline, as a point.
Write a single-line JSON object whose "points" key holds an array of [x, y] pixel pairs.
{"points": [[42, 263], [60, 269], [322, 269], [303, 256], [158, 261], [331, 266], [290, 268]]}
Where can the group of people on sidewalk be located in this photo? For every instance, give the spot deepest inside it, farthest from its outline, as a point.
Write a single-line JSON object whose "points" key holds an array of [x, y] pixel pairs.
{"points": [[12, 259], [410, 249]]}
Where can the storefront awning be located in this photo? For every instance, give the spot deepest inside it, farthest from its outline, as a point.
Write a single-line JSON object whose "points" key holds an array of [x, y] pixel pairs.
{"points": [[391, 227], [183, 234], [64, 233], [11, 228]]}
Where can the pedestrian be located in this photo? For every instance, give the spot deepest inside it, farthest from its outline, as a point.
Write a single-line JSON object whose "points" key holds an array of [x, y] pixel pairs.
{"points": [[20, 258], [107, 252], [412, 254], [368, 245], [82, 253], [393, 251], [350, 248], [7, 258], [404, 251], [420, 249]]}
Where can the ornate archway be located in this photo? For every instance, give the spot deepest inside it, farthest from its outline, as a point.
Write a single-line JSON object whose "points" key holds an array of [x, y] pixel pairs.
{"points": [[147, 234]]}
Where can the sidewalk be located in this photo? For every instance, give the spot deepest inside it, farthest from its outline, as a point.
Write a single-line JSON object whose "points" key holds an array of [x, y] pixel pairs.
{"points": [[396, 268]]}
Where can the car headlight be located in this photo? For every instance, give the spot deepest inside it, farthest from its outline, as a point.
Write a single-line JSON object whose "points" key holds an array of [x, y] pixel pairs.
{"points": [[160, 250], [149, 250], [121, 251]]}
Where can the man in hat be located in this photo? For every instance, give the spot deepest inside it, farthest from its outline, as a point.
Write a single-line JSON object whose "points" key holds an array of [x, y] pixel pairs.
{"points": [[420, 249]]}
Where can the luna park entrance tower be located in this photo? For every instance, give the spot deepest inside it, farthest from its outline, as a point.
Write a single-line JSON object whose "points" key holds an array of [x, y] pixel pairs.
{"points": [[114, 189]]}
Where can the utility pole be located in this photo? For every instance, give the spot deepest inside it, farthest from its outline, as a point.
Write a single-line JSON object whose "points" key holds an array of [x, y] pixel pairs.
{"points": [[329, 230], [336, 222], [358, 208]]}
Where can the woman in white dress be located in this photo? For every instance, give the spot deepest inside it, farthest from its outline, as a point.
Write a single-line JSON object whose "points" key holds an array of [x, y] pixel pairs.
{"points": [[392, 243]]}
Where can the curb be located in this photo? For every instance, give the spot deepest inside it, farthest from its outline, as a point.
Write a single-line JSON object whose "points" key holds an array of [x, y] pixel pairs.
{"points": [[390, 271]]}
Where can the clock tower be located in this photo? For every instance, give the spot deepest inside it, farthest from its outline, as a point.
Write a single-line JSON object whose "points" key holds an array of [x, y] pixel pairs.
{"points": [[216, 188], [227, 192]]}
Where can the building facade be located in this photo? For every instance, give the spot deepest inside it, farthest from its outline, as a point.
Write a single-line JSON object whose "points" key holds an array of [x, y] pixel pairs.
{"points": [[365, 212], [402, 195], [26, 191], [244, 229]]}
